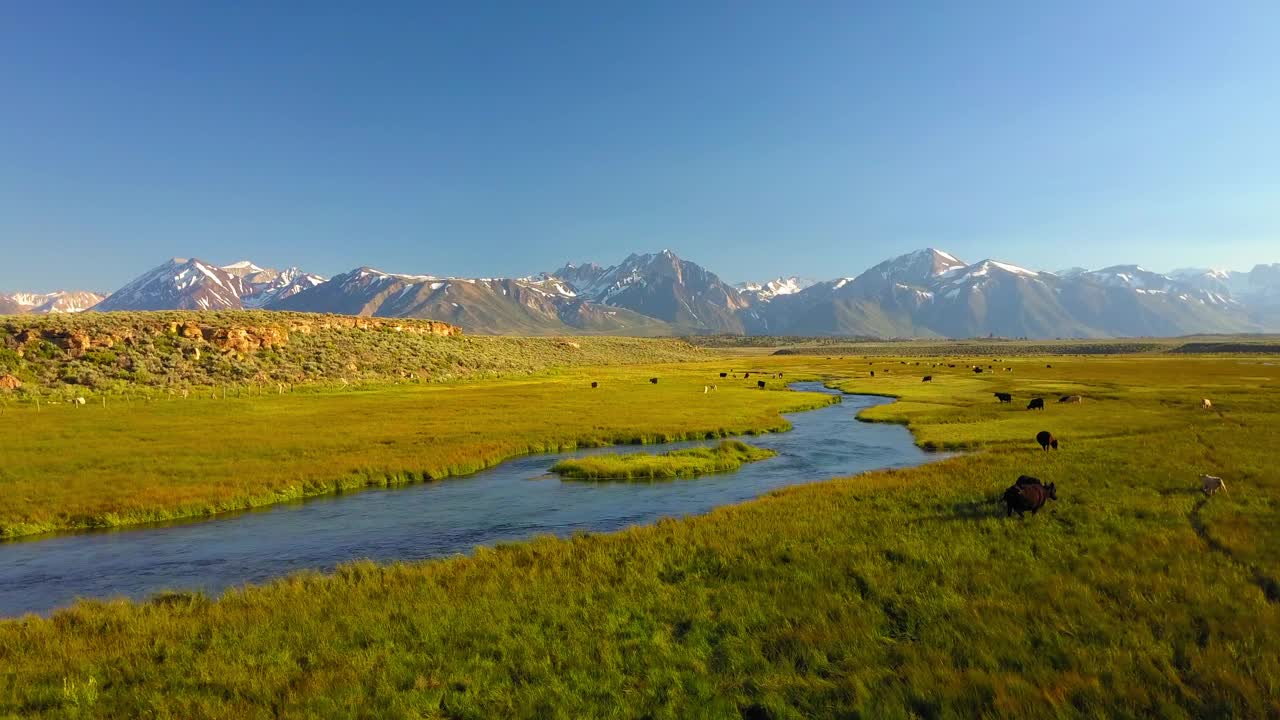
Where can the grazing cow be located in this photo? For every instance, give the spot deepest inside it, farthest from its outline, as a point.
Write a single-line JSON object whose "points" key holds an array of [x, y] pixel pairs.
{"points": [[1070, 399], [1031, 496], [977, 370], [1004, 397], [760, 384], [1008, 369], [724, 374], [1048, 366], [653, 381], [951, 365], [1210, 484], [927, 378], [1036, 404], [714, 388], [746, 375], [1205, 404], [595, 384], [1046, 440], [873, 373], [79, 401], [779, 374]]}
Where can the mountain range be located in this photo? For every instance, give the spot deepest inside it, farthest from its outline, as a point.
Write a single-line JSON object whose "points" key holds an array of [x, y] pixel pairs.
{"points": [[926, 293]]}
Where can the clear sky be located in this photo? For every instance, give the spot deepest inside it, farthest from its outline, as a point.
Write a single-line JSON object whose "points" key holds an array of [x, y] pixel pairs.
{"points": [[755, 138]]}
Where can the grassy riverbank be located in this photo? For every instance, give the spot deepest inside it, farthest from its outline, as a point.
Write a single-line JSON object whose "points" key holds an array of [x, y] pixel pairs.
{"points": [[890, 595], [75, 467], [728, 456]]}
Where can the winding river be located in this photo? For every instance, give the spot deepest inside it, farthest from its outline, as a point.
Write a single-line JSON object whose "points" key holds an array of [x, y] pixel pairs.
{"points": [[513, 501]]}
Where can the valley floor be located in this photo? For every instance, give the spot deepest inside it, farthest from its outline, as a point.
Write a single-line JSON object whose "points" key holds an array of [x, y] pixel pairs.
{"points": [[892, 594]]}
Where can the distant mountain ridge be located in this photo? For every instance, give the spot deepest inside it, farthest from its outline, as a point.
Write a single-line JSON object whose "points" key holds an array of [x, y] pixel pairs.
{"points": [[925, 293]]}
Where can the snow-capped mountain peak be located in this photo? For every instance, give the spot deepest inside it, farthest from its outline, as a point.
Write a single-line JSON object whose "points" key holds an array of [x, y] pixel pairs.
{"points": [[764, 292]]}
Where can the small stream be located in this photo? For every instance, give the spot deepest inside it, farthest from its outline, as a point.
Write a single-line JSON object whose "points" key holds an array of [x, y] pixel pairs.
{"points": [[513, 501]]}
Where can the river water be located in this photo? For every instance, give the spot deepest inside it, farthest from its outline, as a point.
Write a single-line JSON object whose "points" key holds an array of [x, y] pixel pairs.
{"points": [[513, 501]]}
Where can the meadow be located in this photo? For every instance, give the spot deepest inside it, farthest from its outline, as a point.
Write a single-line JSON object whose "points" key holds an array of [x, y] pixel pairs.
{"points": [[893, 594], [68, 467], [728, 456]]}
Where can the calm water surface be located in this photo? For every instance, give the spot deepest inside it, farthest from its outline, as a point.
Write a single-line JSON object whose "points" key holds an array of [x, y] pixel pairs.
{"points": [[513, 501]]}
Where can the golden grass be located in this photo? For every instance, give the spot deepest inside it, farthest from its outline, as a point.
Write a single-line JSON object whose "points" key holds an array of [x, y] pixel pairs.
{"points": [[893, 594]]}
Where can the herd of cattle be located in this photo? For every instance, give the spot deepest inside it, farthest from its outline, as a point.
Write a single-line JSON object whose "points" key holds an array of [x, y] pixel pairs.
{"points": [[1027, 493]]}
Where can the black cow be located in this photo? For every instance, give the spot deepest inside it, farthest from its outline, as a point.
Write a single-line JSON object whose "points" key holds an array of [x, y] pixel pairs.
{"points": [[1031, 496], [760, 384], [724, 374], [1046, 440], [1004, 397], [1048, 366], [595, 384], [746, 375], [1036, 404], [927, 378], [873, 373], [653, 381], [977, 370]]}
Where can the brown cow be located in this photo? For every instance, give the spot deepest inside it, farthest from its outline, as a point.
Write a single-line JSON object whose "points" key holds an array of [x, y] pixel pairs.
{"points": [[1046, 440], [1023, 497]]}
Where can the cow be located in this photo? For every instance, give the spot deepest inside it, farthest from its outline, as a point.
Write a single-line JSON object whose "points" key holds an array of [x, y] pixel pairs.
{"points": [[595, 384], [746, 375], [977, 370], [1205, 404], [79, 401], [951, 365], [927, 378], [724, 374], [760, 384], [1210, 484], [1046, 440], [873, 373], [714, 388], [1004, 397], [779, 374], [1030, 496], [1070, 399], [1048, 366], [706, 389], [653, 381], [1036, 404]]}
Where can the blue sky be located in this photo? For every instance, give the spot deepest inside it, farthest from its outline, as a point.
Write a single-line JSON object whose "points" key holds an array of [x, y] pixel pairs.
{"points": [[755, 138]]}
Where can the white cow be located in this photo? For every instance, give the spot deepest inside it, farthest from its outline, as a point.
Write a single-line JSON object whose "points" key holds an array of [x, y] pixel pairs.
{"points": [[1210, 484], [1205, 404]]}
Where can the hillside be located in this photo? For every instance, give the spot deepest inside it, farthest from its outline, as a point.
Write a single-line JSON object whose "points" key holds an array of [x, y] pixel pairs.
{"points": [[175, 350]]}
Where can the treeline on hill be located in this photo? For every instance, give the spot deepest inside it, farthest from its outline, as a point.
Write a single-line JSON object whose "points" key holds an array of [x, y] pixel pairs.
{"points": [[108, 353]]}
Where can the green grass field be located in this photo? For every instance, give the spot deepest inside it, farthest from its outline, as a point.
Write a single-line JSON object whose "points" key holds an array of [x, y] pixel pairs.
{"points": [[893, 594], [728, 456], [70, 467]]}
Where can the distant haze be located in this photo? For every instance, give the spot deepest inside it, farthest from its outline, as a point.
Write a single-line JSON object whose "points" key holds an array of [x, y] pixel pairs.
{"points": [[761, 140]]}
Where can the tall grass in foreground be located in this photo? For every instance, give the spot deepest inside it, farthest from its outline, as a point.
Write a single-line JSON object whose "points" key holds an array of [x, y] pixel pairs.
{"points": [[728, 456], [894, 594]]}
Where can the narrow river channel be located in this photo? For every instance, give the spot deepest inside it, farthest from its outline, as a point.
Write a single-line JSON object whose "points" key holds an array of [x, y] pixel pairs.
{"points": [[513, 501]]}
